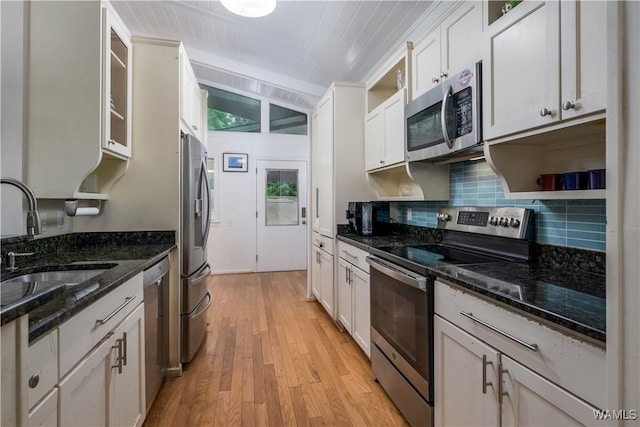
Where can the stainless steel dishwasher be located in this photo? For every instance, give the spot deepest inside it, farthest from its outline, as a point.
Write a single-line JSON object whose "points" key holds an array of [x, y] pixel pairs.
{"points": [[156, 326]]}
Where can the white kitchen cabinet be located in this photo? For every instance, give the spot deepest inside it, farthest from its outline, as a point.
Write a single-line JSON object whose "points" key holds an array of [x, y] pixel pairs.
{"points": [[191, 99], [337, 142], [544, 66], [466, 374], [322, 281], [455, 44], [107, 386], [41, 374], [13, 393], [384, 133], [345, 295], [354, 311], [79, 99], [546, 377], [127, 404], [531, 400], [83, 391], [45, 413]]}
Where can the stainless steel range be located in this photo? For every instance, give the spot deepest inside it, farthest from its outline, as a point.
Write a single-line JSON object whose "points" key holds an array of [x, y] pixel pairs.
{"points": [[402, 295]]}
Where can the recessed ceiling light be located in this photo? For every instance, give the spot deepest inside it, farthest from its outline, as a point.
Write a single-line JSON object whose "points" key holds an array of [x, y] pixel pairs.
{"points": [[250, 8]]}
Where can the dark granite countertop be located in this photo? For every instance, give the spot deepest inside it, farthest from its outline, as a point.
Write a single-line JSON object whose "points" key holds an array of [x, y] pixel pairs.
{"points": [[100, 250], [558, 294]]}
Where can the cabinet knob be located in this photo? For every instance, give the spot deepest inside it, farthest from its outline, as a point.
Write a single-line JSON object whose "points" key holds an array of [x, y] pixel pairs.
{"points": [[34, 381], [435, 80], [568, 106], [443, 75], [545, 112], [195, 127], [382, 162]]}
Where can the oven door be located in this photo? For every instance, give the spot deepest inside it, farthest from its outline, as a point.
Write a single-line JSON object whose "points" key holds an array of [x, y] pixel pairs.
{"points": [[402, 321]]}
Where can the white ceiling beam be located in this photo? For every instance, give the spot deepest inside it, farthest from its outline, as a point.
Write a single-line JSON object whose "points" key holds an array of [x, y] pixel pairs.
{"points": [[261, 75]]}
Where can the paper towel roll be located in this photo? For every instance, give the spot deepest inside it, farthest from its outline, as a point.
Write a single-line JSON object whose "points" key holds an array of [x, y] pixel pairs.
{"points": [[87, 211]]}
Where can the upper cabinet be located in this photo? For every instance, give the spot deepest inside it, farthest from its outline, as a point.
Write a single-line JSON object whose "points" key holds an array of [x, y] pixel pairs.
{"points": [[545, 95], [449, 47], [546, 65], [191, 100], [384, 132], [79, 99], [337, 146], [390, 175]]}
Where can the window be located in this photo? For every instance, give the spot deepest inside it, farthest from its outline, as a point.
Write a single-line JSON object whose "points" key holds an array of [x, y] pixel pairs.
{"points": [[231, 112], [211, 175], [284, 120], [282, 197]]}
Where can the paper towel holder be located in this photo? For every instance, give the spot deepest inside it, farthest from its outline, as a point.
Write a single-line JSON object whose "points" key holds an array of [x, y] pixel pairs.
{"points": [[71, 208]]}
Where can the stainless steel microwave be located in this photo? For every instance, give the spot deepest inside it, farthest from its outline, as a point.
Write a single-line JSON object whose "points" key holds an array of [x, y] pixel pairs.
{"points": [[446, 121]]}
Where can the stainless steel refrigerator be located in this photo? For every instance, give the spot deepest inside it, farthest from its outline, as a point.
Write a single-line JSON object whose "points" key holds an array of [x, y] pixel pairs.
{"points": [[195, 298]]}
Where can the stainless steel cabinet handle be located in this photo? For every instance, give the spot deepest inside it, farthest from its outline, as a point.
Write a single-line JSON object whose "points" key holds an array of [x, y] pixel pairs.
{"points": [[118, 347], [501, 372], [484, 374], [532, 347], [124, 348], [127, 300], [545, 112], [350, 255], [568, 105], [317, 202]]}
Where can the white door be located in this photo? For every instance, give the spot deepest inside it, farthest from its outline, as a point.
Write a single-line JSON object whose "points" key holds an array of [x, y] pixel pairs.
{"points": [[282, 215]]}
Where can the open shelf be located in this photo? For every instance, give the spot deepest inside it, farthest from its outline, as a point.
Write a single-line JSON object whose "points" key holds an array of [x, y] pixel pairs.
{"points": [[411, 181], [520, 162]]}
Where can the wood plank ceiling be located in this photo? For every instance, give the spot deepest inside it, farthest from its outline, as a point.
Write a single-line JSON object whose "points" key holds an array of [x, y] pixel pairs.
{"points": [[291, 56]]}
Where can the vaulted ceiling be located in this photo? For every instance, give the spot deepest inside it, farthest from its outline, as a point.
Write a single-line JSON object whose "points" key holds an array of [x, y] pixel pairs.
{"points": [[291, 56]]}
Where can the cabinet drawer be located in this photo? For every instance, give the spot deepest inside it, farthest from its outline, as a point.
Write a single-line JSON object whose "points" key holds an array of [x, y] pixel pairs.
{"points": [[42, 367], [323, 242], [575, 365], [353, 255], [82, 332], [45, 413]]}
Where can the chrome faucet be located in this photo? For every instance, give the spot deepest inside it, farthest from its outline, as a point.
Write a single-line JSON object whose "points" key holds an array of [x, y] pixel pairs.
{"points": [[33, 217]]}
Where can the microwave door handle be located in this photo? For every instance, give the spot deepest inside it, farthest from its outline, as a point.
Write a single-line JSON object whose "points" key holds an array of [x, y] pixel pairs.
{"points": [[443, 117]]}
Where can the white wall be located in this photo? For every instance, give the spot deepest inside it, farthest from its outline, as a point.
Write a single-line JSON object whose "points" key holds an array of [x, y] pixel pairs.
{"points": [[232, 240], [12, 95], [13, 205]]}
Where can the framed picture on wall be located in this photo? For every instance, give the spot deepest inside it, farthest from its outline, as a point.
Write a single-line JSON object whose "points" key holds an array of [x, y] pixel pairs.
{"points": [[235, 162]]}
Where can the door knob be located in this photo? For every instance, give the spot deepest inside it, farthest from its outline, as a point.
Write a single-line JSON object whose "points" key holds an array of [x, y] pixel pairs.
{"points": [[443, 75], [435, 80], [568, 106]]}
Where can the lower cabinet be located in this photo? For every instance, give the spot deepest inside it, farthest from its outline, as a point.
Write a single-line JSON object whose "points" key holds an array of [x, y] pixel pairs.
{"points": [[45, 413], [322, 272], [501, 382], [354, 306], [106, 387]]}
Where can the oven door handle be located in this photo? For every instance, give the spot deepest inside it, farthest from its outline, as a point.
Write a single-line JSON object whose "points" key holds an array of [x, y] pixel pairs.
{"points": [[405, 276]]}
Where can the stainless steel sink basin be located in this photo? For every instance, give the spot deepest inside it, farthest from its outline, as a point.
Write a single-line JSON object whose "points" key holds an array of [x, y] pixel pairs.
{"points": [[18, 287]]}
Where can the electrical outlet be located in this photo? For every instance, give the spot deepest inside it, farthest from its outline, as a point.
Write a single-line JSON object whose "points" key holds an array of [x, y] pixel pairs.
{"points": [[409, 214], [43, 221], [60, 219]]}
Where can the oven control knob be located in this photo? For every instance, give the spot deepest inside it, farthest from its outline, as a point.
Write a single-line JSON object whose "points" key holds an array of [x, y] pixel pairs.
{"points": [[493, 220], [444, 217], [504, 222], [514, 222]]}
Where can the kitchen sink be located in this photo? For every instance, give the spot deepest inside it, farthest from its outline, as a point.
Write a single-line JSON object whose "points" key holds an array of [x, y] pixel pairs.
{"points": [[16, 288]]}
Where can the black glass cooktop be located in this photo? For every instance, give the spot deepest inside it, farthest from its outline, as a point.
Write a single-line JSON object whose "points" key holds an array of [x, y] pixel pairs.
{"points": [[419, 258]]}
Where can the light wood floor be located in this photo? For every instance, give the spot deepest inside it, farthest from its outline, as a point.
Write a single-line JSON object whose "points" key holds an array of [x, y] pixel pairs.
{"points": [[273, 358]]}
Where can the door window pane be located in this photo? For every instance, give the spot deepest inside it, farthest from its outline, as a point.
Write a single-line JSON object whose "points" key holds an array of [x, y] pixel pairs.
{"points": [[282, 197], [284, 120]]}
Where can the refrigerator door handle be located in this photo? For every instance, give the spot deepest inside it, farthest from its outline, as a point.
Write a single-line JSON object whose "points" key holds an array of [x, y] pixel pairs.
{"points": [[204, 181], [199, 309], [201, 274]]}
